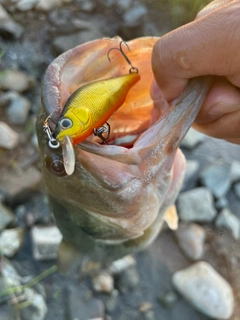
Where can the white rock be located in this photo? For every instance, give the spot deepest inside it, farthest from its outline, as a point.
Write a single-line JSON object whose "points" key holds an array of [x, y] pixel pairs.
{"points": [[18, 110], [192, 167], [228, 220], [191, 239], [25, 5], [8, 25], [16, 80], [235, 171], [196, 205], [37, 308], [6, 216], [10, 241], [103, 282], [45, 242], [120, 265], [8, 137], [206, 290], [46, 5], [192, 139]]}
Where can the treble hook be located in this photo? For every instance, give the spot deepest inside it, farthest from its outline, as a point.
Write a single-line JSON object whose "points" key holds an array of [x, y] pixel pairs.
{"points": [[98, 132], [132, 69]]}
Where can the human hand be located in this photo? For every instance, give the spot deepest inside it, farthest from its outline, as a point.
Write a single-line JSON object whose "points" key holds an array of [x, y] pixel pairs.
{"points": [[210, 45]]}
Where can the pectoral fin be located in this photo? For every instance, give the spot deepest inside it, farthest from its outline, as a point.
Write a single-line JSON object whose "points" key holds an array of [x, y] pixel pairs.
{"points": [[171, 217], [68, 257]]}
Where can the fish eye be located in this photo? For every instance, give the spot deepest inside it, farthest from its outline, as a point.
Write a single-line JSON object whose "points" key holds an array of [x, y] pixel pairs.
{"points": [[65, 123], [55, 165]]}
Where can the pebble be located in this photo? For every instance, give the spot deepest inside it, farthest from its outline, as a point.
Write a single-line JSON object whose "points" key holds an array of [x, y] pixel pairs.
{"points": [[86, 5], [122, 264], [6, 216], [217, 178], [11, 241], [206, 290], [103, 282], [16, 80], [25, 5], [221, 203], [124, 4], [168, 299], [8, 137], [18, 183], [196, 205], [17, 112], [47, 5], [111, 302], [191, 238], [236, 188], [228, 220], [235, 171], [45, 241], [135, 15], [8, 27], [36, 308], [128, 280], [192, 167], [192, 139], [8, 97]]}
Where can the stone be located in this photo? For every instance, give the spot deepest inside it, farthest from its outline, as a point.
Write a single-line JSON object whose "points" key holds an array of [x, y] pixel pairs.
{"points": [[8, 97], [47, 5], [103, 282], [192, 167], [64, 43], [206, 290], [122, 264], [86, 5], [8, 137], [25, 5], [135, 15], [17, 112], [221, 203], [235, 171], [196, 205], [217, 178], [228, 220], [236, 188], [111, 302], [6, 216], [16, 80], [192, 139], [36, 308], [168, 299], [45, 242], [128, 280], [11, 241], [20, 182], [8, 27], [191, 238]]}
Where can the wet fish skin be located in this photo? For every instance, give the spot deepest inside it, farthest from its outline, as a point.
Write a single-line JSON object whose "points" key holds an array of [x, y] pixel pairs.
{"points": [[115, 201]]}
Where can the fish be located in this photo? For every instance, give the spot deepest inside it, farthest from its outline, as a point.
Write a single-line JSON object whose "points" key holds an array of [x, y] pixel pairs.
{"points": [[119, 195]]}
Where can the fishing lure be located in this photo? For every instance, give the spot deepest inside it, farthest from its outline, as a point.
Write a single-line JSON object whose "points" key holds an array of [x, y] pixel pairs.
{"points": [[88, 108]]}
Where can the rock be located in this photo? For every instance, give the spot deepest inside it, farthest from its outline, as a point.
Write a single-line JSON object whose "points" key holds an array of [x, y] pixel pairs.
{"points": [[81, 308], [217, 178], [64, 43], [6, 216], [8, 97], [124, 5], [235, 171], [221, 203], [192, 139], [128, 280], [36, 308], [11, 241], [18, 183], [47, 5], [18, 110], [206, 290], [192, 167], [45, 241], [86, 5], [168, 299], [120, 265], [25, 5], [8, 27], [228, 220], [103, 282], [8, 137], [111, 302], [196, 205], [236, 189], [191, 239], [16, 80]]}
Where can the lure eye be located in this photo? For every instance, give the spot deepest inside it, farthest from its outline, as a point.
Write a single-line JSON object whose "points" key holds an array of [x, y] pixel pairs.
{"points": [[65, 123]]}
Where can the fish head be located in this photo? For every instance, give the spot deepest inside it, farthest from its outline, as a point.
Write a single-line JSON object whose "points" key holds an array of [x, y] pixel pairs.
{"points": [[115, 201]]}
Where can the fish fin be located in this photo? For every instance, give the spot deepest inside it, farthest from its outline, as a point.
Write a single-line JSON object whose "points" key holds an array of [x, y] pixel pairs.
{"points": [[171, 217], [68, 257]]}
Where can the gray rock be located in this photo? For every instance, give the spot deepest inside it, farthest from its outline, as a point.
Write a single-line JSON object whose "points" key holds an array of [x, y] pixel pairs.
{"points": [[192, 167], [103, 282], [8, 137], [192, 139], [217, 178], [191, 238], [235, 171], [8, 27], [120, 265], [221, 203], [45, 242], [128, 280], [196, 205], [16, 80], [168, 299], [228, 220], [47, 5], [18, 110], [111, 302], [86, 5], [7, 97], [134, 16], [236, 189], [124, 4], [11, 241], [64, 43], [206, 290], [20, 182], [37, 308], [6, 216], [25, 5]]}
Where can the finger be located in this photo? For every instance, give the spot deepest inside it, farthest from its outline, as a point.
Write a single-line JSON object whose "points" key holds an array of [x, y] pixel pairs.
{"points": [[199, 48], [212, 6]]}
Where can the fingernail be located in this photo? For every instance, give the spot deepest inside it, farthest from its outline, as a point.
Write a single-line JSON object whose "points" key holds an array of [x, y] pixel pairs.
{"points": [[155, 91], [221, 108]]}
